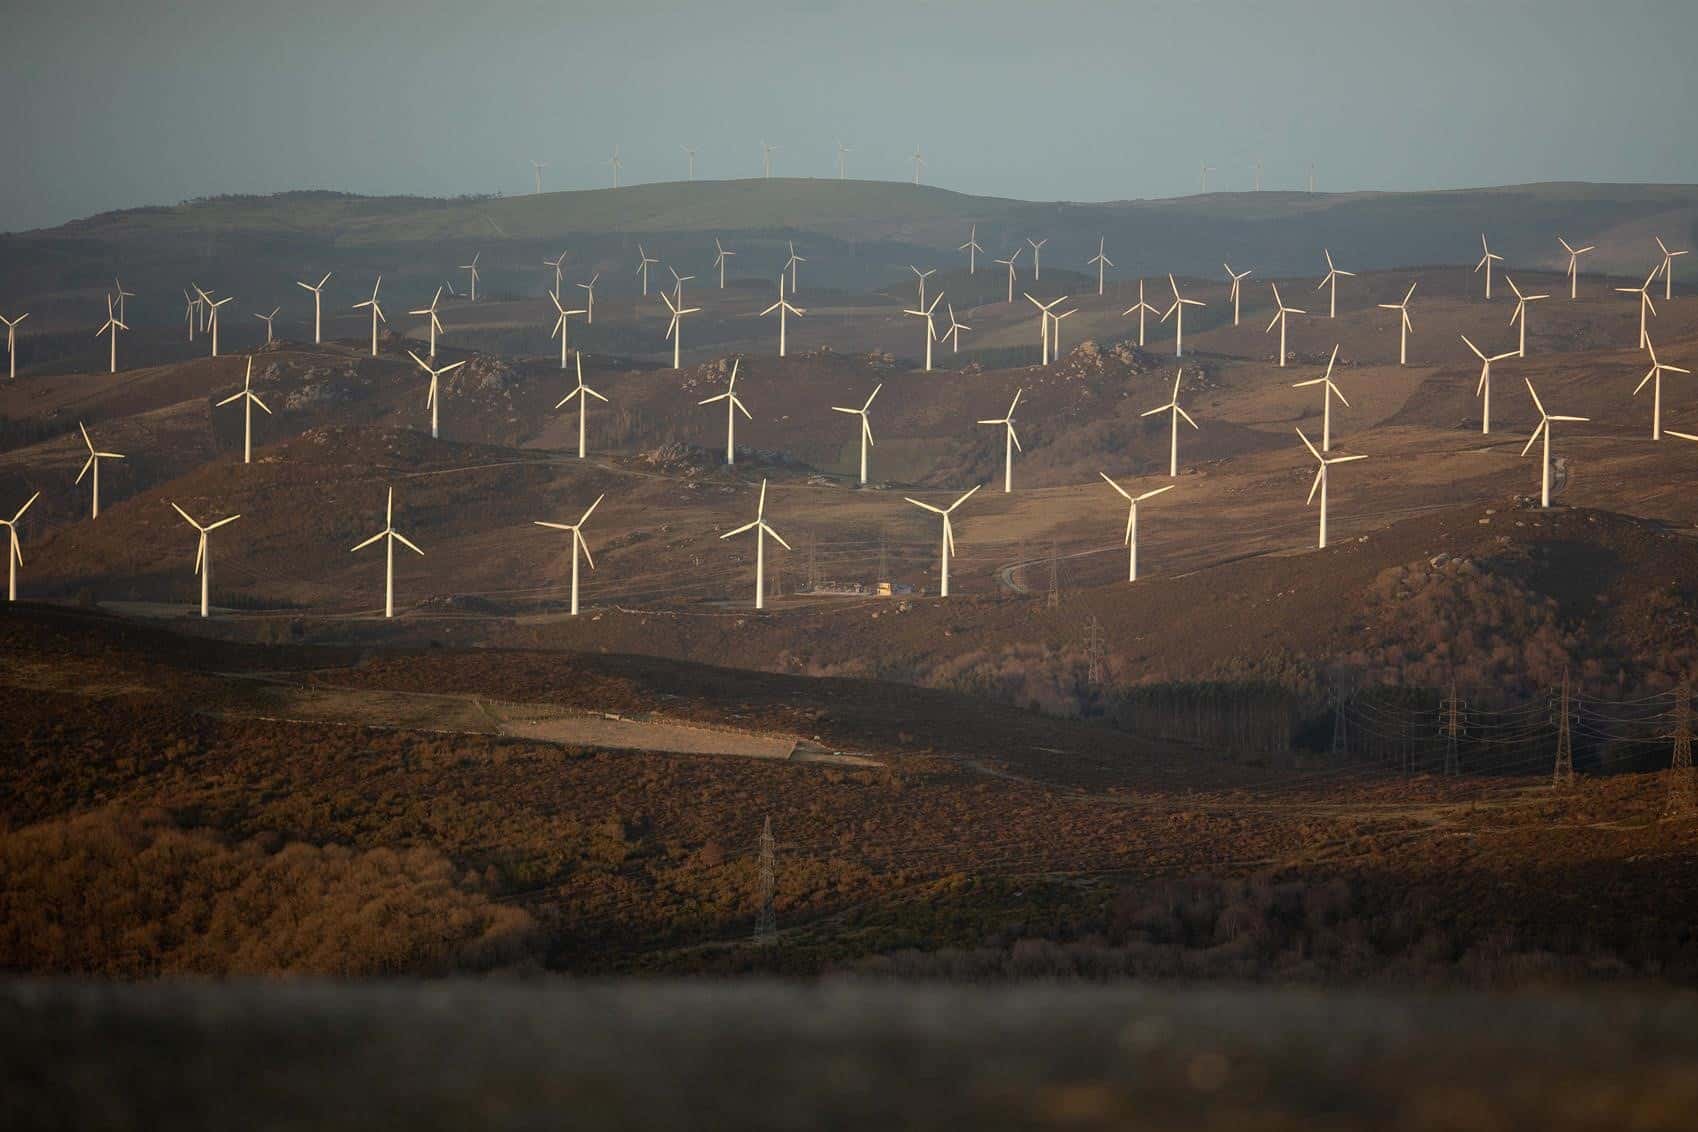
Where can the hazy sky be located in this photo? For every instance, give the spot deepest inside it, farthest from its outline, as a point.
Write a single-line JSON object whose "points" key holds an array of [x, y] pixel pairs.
{"points": [[115, 103]]}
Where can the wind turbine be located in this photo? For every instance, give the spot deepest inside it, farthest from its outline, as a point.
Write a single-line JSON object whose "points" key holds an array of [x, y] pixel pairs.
{"points": [[1237, 277], [954, 331], [1654, 375], [1176, 413], [1257, 166], [266, 318], [842, 160], [537, 167], [761, 528], [972, 248], [766, 158], [1055, 331], [643, 261], [317, 298], [1484, 389], [1177, 313], [733, 406], [674, 328], [1043, 320], [948, 533], [791, 264], [1320, 483], [1487, 258], [1329, 390], [390, 537], [616, 164], [432, 400], [1331, 283], [12, 343], [1142, 308], [1545, 420], [14, 553], [1520, 314], [1131, 537], [249, 399], [1574, 255], [922, 280], [191, 312], [1280, 317], [559, 264], [690, 151], [1010, 264], [919, 162], [1404, 325], [1037, 257], [784, 309], [1645, 303], [931, 328], [111, 326], [122, 294], [589, 290], [677, 283], [1101, 260], [93, 464], [472, 267], [203, 559], [583, 393], [210, 305], [376, 313], [1667, 270], [578, 544], [866, 426], [435, 323], [562, 314], [1010, 442], [719, 258], [1207, 169]]}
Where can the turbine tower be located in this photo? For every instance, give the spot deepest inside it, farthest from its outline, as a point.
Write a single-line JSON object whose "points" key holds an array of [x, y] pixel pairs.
{"points": [[589, 301], [1043, 320], [203, 558], [111, 326], [954, 331], [1131, 537], [93, 464], [1320, 482], [559, 265], [733, 406], [249, 399], [1654, 375], [1010, 443], [678, 282], [948, 534], [14, 553], [784, 309], [1177, 313], [1142, 308], [922, 280], [674, 328], [791, 264], [1280, 317], [561, 315], [211, 306], [1037, 257], [12, 344], [690, 152], [1520, 314], [972, 248], [1545, 421], [583, 393], [766, 158], [842, 160], [537, 167], [432, 399], [1009, 262], [1329, 390], [931, 328], [643, 261], [1404, 325], [1331, 283], [616, 165], [1101, 261], [866, 426], [472, 269], [435, 324], [1645, 303], [376, 313], [578, 544], [118, 288], [266, 318], [1574, 255], [191, 312], [1237, 278], [1666, 269], [1487, 258], [761, 528], [317, 301], [1484, 389], [1176, 414], [390, 537], [919, 163], [719, 258]]}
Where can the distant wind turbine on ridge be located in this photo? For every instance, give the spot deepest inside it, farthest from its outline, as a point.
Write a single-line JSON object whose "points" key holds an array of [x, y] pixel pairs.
{"points": [[390, 537], [472, 269], [931, 327], [111, 326], [376, 313], [675, 327], [12, 344], [643, 261], [203, 558], [435, 323], [719, 258], [1654, 375], [433, 399], [1484, 389], [1141, 308], [1320, 482], [1544, 429], [1037, 257], [1044, 310], [1666, 269], [266, 318], [317, 302], [1329, 390], [761, 528], [1331, 283], [972, 248], [583, 393], [1011, 442], [1404, 325], [1130, 539], [560, 328], [866, 429], [1574, 255], [589, 301], [578, 544], [1009, 263], [1237, 278], [784, 309], [1177, 313], [1176, 414], [733, 406], [1281, 314], [93, 464], [14, 552], [1487, 258], [948, 533], [249, 399], [1100, 261], [1646, 306], [1520, 314]]}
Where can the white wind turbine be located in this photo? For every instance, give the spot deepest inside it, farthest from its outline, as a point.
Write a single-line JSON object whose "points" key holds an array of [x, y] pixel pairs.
{"points": [[954, 331], [1175, 414], [1545, 420], [1574, 255], [1177, 313], [931, 327], [643, 261], [266, 318], [972, 248], [1404, 325], [791, 264], [93, 464], [1666, 269], [766, 158], [472, 269], [1280, 316], [561, 315], [1487, 258], [761, 528], [1142, 308], [919, 163], [690, 152], [866, 426], [1131, 537], [1329, 390], [1010, 443], [733, 406], [842, 160], [1484, 389], [921, 275], [1055, 330], [678, 282], [558, 263], [537, 167], [12, 343], [433, 399], [1654, 375], [1207, 169], [122, 294], [1645, 303], [1331, 283], [1520, 314], [376, 313], [1237, 278], [317, 301], [191, 312], [616, 164], [583, 393], [1100, 260], [249, 399], [674, 328], [785, 309], [14, 553], [948, 534], [435, 324], [589, 292], [1037, 257], [1009, 262], [719, 258], [1043, 320], [1320, 483], [203, 558], [390, 537], [210, 305], [111, 326], [578, 544]]}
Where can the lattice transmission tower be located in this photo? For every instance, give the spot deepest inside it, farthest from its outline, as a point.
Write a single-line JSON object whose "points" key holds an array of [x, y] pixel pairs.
{"points": [[766, 922], [1563, 774], [1683, 787], [1451, 726]]}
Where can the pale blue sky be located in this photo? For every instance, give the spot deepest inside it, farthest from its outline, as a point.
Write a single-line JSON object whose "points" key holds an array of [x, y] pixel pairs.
{"points": [[115, 103]]}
